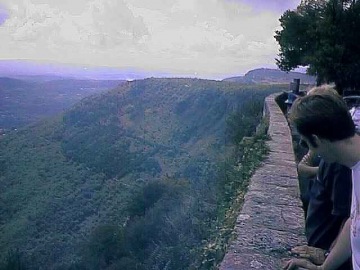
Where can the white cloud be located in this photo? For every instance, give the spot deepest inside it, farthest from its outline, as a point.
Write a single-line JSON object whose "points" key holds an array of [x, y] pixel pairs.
{"points": [[208, 37]]}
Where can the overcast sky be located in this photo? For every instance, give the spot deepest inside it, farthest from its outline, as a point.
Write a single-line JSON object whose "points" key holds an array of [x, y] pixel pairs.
{"points": [[203, 38]]}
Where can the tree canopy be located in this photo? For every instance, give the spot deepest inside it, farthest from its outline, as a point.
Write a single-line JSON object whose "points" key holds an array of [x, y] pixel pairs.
{"points": [[323, 35]]}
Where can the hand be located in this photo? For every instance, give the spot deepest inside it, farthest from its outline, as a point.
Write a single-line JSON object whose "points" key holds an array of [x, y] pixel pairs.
{"points": [[315, 255], [294, 264]]}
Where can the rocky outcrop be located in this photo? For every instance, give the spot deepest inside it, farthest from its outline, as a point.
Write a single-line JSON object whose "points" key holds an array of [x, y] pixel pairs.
{"points": [[271, 220]]}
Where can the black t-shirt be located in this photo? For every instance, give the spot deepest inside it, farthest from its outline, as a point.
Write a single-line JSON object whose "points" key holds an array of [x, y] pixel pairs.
{"points": [[329, 206]]}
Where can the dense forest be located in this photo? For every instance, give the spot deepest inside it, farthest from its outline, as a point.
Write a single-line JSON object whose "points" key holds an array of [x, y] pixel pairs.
{"points": [[146, 176]]}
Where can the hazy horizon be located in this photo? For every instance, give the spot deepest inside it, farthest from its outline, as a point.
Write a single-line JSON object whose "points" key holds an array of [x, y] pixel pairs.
{"points": [[137, 38], [20, 68]]}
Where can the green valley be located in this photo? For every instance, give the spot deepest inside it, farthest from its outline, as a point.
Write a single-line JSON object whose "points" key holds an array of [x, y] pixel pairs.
{"points": [[139, 177]]}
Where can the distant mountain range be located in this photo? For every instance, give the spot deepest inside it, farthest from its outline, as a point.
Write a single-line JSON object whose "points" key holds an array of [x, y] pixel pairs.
{"points": [[266, 75], [22, 69], [25, 97], [42, 71], [25, 100]]}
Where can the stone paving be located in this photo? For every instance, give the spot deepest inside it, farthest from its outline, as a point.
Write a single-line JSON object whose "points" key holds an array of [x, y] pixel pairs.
{"points": [[271, 220]]}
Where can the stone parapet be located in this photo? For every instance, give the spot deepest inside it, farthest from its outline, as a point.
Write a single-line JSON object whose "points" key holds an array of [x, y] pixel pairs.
{"points": [[271, 220]]}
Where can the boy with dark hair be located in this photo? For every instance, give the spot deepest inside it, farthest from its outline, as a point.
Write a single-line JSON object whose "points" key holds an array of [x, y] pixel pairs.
{"points": [[329, 202], [325, 125]]}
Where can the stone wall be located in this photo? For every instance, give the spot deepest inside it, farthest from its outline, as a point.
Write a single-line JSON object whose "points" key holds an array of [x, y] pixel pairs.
{"points": [[271, 220]]}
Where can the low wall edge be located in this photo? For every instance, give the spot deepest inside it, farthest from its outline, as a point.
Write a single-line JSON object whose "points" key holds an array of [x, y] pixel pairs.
{"points": [[271, 221]]}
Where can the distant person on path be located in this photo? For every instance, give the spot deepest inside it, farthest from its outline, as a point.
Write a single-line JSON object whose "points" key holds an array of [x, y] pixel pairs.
{"points": [[325, 125]]}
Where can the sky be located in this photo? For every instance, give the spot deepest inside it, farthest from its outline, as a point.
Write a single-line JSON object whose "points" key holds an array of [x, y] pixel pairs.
{"points": [[199, 38]]}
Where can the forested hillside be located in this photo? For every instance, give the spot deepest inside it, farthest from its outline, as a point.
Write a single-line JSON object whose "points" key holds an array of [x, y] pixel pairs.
{"points": [[139, 177]]}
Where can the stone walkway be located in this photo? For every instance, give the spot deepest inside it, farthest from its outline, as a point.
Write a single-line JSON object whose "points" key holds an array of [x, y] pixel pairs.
{"points": [[271, 220]]}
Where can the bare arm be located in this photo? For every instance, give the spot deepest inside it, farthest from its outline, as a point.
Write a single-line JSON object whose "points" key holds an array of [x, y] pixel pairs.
{"points": [[306, 167], [337, 237], [338, 255], [307, 171], [341, 251]]}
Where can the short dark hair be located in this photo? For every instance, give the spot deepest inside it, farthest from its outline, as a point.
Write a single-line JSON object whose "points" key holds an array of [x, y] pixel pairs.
{"points": [[324, 115]]}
